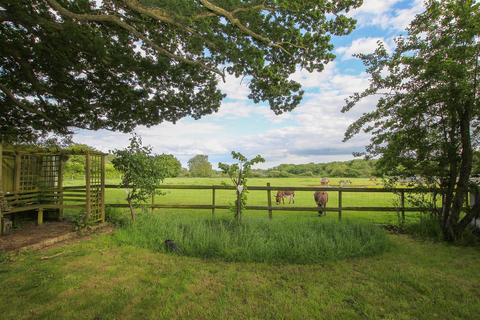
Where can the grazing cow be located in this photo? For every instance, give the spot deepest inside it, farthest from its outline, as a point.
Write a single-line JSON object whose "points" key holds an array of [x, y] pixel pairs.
{"points": [[324, 181], [321, 199], [281, 195]]}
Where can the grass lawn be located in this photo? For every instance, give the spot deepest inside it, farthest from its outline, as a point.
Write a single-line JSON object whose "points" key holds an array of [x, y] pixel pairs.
{"points": [[115, 277], [99, 279]]}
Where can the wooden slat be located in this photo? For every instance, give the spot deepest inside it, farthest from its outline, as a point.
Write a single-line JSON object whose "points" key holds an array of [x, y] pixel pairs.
{"points": [[289, 188], [207, 206]]}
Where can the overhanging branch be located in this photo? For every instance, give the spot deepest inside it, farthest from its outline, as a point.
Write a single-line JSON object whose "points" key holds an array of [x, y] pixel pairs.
{"points": [[236, 22], [122, 24], [25, 107]]}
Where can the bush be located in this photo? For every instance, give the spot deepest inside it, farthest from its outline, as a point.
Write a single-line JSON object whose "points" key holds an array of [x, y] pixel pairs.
{"points": [[428, 228], [256, 240]]}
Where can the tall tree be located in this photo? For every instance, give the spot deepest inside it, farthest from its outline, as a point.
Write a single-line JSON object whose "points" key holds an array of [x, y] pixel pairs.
{"points": [[169, 164], [426, 121], [117, 64], [199, 166]]}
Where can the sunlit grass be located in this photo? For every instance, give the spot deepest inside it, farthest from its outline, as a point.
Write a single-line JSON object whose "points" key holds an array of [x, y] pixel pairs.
{"points": [[256, 240]]}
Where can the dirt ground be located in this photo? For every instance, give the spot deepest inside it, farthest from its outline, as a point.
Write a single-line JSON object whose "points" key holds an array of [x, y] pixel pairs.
{"points": [[31, 234]]}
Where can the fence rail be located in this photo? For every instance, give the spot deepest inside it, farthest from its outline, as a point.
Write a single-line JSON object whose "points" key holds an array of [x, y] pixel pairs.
{"points": [[339, 208]]}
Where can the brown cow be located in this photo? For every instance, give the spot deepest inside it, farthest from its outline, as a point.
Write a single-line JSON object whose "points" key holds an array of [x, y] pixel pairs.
{"points": [[321, 199], [281, 195]]}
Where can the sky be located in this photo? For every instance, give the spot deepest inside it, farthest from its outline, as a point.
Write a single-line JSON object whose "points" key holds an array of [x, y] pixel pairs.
{"points": [[313, 132]]}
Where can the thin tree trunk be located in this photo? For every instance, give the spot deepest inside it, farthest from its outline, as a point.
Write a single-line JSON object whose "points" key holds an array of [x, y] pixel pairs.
{"points": [[449, 186], [238, 214], [454, 230], [132, 211]]}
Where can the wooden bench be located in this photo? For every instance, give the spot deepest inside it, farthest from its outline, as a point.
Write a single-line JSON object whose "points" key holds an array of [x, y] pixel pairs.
{"points": [[11, 203]]}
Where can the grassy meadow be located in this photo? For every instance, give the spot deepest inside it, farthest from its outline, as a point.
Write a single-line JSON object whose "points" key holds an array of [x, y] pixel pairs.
{"points": [[296, 266], [302, 199]]}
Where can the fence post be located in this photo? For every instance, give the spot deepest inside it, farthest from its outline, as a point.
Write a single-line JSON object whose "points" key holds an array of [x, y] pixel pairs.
{"points": [[213, 201], [269, 198], [339, 205], [88, 195], [153, 202], [402, 204]]}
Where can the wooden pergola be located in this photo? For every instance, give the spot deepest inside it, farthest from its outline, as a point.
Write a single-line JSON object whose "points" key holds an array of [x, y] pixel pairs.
{"points": [[31, 180]]}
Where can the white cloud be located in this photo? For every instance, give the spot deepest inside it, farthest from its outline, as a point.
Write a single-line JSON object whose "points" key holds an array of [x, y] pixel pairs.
{"points": [[235, 88], [311, 133], [383, 14], [403, 17], [362, 45]]}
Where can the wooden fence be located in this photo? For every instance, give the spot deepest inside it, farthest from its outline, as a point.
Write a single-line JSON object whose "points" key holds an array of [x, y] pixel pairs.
{"points": [[401, 208]]}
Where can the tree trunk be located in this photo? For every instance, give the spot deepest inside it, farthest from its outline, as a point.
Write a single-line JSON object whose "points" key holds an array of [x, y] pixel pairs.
{"points": [[132, 210], [238, 213], [453, 229]]}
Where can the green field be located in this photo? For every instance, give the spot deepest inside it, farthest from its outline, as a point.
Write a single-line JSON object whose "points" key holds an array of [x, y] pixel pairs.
{"points": [[120, 277], [302, 199]]}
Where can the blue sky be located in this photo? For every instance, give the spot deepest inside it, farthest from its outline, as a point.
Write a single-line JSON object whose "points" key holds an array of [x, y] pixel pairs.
{"points": [[313, 132]]}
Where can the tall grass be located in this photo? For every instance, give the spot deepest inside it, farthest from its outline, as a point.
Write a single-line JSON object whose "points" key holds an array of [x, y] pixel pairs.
{"points": [[256, 240]]}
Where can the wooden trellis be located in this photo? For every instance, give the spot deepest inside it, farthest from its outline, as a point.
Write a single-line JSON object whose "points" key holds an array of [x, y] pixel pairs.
{"points": [[31, 180]]}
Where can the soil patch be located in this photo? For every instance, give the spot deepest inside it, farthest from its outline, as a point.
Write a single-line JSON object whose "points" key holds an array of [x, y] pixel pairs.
{"points": [[31, 234]]}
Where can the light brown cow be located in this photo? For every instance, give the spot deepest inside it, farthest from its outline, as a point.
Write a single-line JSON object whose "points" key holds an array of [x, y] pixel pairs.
{"points": [[281, 195], [321, 199]]}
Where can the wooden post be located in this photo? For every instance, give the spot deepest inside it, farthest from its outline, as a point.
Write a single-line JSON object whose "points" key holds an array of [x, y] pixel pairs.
{"points": [[213, 201], [269, 199], [339, 205], [18, 171], [102, 188], [153, 203], [474, 199], [60, 187], [40, 216], [402, 204], [87, 188]]}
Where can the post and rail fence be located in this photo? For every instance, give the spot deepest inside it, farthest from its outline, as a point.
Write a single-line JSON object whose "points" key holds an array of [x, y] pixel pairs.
{"points": [[400, 208]]}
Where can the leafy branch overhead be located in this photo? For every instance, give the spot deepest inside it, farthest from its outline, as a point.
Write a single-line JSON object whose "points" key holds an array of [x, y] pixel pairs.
{"points": [[119, 64]]}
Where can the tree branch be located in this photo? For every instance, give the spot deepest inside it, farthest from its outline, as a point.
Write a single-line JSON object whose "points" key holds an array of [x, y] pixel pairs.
{"points": [[163, 16], [25, 107], [122, 24], [234, 11], [236, 22]]}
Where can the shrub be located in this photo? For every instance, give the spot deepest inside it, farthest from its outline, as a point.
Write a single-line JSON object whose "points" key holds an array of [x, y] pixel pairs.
{"points": [[117, 216], [256, 240], [428, 228]]}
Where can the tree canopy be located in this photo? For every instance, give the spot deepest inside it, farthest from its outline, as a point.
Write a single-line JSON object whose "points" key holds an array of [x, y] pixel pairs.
{"points": [[118, 64], [199, 166], [170, 164], [426, 121]]}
